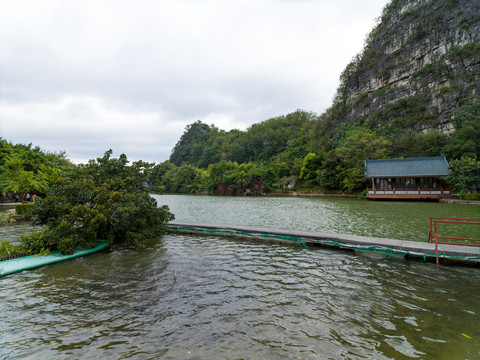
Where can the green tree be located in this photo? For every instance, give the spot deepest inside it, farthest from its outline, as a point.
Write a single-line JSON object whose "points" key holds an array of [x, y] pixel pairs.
{"points": [[156, 175], [467, 115], [464, 142], [103, 200], [358, 146], [24, 169], [33, 157], [192, 143], [310, 166], [14, 179], [224, 175], [328, 176], [413, 143], [464, 176], [268, 174], [185, 179]]}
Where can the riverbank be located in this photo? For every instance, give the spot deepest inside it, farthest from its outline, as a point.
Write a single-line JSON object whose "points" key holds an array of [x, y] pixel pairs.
{"points": [[321, 195], [460, 202], [334, 195]]}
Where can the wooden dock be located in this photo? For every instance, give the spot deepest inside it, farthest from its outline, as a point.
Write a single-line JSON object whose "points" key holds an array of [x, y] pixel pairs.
{"points": [[369, 246]]}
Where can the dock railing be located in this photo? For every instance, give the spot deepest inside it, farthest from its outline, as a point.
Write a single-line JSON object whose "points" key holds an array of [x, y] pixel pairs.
{"points": [[433, 234]]}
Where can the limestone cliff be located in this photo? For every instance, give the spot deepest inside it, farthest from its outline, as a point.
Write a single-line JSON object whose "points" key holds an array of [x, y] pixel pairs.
{"points": [[420, 63]]}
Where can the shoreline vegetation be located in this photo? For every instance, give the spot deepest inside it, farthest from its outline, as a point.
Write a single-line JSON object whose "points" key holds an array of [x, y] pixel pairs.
{"points": [[104, 199], [295, 152]]}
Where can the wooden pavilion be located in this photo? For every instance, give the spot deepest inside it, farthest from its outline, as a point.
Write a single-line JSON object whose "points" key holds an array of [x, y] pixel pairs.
{"points": [[410, 178]]}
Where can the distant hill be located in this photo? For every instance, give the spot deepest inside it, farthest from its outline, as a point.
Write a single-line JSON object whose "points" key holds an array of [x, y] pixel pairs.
{"points": [[201, 144]]}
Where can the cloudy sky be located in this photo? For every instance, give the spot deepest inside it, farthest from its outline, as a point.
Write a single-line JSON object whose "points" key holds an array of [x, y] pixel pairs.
{"points": [[85, 76]]}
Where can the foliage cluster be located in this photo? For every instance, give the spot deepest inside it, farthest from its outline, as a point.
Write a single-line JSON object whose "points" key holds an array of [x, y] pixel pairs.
{"points": [[202, 145], [26, 169], [464, 177], [102, 200], [223, 178], [7, 249], [23, 209]]}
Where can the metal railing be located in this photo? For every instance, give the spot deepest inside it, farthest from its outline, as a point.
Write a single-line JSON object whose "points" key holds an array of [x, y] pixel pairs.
{"points": [[433, 234]]}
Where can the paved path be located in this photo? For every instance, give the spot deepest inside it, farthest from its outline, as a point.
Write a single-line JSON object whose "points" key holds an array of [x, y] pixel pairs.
{"points": [[408, 249]]}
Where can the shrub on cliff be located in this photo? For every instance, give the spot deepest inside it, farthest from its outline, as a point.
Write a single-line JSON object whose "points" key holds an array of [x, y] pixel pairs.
{"points": [[103, 200]]}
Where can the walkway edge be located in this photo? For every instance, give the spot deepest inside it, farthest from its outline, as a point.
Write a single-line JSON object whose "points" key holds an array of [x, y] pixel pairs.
{"points": [[390, 248]]}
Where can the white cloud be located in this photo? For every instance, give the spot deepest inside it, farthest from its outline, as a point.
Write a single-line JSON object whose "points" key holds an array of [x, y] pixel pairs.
{"points": [[82, 124], [88, 75]]}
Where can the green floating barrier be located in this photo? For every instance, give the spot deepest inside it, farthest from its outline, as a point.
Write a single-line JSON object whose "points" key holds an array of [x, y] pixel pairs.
{"points": [[8, 267]]}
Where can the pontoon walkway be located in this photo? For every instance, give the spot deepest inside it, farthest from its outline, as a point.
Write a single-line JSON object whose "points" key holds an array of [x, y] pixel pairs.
{"points": [[377, 247]]}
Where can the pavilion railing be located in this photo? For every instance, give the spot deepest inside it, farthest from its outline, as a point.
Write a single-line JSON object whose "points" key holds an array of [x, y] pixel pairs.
{"points": [[408, 192]]}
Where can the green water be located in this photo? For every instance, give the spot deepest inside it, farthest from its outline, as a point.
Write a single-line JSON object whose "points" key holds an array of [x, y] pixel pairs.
{"points": [[195, 297], [385, 219]]}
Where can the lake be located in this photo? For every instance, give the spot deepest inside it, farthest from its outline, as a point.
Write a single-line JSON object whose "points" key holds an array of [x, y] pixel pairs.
{"points": [[401, 220], [208, 297]]}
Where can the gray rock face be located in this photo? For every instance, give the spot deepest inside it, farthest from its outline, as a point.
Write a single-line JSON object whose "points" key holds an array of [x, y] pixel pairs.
{"points": [[419, 64]]}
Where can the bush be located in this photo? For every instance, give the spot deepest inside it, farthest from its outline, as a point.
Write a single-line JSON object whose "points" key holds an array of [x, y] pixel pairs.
{"points": [[22, 209], [471, 197], [37, 242], [103, 200], [363, 194], [25, 210], [464, 177]]}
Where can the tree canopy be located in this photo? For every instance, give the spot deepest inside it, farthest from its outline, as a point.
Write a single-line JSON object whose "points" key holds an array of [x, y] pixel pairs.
{"points": [[464, 176], [102, 200], [26, 169]]}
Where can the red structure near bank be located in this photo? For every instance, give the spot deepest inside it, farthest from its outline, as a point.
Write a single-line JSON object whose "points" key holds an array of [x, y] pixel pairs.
{"points": [[410, 178]]}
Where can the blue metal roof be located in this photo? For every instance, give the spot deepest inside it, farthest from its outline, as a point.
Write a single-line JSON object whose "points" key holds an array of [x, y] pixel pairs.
{"points": [[409, 167]]}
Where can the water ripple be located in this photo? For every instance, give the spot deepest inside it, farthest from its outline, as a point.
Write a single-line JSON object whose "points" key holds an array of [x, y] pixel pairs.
{"points": [[215, 298]]}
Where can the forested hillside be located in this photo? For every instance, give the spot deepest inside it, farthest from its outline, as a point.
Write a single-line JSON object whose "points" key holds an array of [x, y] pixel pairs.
{"points": [[202, 144], [414, 90]]}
